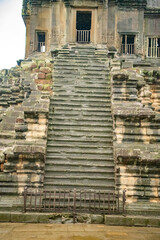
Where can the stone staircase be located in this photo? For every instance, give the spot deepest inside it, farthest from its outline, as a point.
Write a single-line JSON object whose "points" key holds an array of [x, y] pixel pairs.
{"points": [[80, 134]]}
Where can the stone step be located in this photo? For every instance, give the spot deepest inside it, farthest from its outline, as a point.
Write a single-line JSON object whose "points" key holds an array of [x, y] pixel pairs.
{"points": [[69, 67], [79, 168], [76, 129], [83, 91], [83, 116], [80, 77], [83, 132], [90, 66], [64, 110], [85, 82], [89, 96], [78, 177], [77, 69], [79, 100], [78, 124], [75, 87], [82, 56], [80, 186], [80, 135], [71, 150], [81, 159], [106, 114], [78, 139], [81, 119], [82, 107], [70, 145]]}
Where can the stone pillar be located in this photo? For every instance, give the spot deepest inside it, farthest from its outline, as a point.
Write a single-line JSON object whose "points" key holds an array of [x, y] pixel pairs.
{"points": [[99, 23], [33, 27], [102, 22], [67, 29], [27, 22], [55, 25], [105, 22]]}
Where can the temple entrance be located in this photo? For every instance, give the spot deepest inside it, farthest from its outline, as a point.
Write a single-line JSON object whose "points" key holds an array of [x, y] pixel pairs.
{"points": [[83, 26]]}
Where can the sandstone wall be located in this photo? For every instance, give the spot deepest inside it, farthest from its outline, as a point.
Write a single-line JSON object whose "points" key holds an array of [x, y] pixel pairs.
{"points": [[24, 92], [136, 106]]}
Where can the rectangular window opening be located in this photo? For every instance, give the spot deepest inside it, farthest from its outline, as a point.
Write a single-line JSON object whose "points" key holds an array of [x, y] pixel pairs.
{"points": [[154, 47], [41, 38], [128, 44]]}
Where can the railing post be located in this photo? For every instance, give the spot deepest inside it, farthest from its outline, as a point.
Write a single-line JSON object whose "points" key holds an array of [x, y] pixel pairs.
{"points": [[25, 198], [124, 201], [74, 205]]}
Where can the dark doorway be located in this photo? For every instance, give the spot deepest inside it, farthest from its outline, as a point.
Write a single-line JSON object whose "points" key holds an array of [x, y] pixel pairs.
{"points": [[41, 41], [83, 26]]}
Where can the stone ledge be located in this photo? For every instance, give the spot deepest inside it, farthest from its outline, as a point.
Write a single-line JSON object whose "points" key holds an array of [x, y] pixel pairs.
{"points": [[111, 220], [137, 221]]}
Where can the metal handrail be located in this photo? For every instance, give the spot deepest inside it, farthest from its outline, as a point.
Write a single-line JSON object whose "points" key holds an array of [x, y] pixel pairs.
{"points": [[83, 36], [74, 201], [154, 52], [128, 48]]}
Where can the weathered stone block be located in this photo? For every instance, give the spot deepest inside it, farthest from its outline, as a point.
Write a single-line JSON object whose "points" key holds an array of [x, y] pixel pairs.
{"points": [[97, 219], [41, 75], [50, 218], [83, 218], [49, 76], [5, 217], [45, 70]]}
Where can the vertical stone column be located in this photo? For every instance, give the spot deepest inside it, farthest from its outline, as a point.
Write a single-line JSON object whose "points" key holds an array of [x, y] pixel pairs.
{"points": [[105, 22], [55, 25], [68, 27], [27, 22], [33, 27], [102, 22], [112, 19], [99, 23]]}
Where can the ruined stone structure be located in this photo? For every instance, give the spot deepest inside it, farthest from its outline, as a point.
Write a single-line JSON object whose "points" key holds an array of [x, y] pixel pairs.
{"points": [[83, 109], [132, 27]]}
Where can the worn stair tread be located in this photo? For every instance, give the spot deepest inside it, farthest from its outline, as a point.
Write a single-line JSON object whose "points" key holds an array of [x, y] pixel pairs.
{"points": [[80, 131], [65, 176]]}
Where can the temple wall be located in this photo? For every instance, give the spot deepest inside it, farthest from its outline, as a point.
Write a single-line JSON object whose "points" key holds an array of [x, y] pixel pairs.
{"points": [[25, 92], [40, 20], [136, 104], [152, 26], [153, 3], [130, 22]]}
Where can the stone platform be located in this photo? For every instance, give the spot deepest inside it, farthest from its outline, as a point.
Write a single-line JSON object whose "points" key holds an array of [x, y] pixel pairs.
{"points": [[66, 218], [15, 231]]}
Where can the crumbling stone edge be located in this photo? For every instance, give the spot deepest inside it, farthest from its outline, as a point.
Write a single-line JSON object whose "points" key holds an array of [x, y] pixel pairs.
{"points": [[110, 220]]}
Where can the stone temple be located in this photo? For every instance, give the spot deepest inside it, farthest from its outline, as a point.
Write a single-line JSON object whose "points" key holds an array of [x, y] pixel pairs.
{"points": [[82, 110]]}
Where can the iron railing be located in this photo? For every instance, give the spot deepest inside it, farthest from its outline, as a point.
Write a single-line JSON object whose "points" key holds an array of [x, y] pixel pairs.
{"points": [[41, 47], [128, 48], [154, 52], [83, 36], [74, 201]]}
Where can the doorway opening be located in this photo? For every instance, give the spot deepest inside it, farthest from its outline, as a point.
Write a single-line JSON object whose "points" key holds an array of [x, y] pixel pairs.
{"points": [[83, 26], [128, 44]]}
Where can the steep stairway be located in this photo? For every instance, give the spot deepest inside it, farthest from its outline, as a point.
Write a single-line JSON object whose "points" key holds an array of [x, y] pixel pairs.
{"points": [[80, 134]]}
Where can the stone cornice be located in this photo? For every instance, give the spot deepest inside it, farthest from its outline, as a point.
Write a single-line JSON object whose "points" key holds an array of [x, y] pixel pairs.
{"points": [[131, 3], [152, 12]]}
